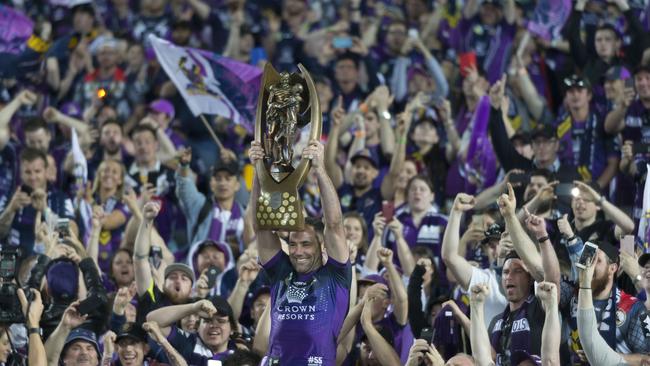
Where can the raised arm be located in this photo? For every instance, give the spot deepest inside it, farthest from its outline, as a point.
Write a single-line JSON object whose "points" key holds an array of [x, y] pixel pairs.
{"points": [[399, 156], [201, 8], [550, 265], [24, 97], [169, 315], [479, 339], [372, 261], [54, 345], [247, 274], [174, 357], [548, 294], [335, 243], [142, 247], [596, 349], [268, 243], [32, 312], [404, 254], [523, 245], [382, 350], [397, 289], [458, 265], [624, 223], [470, 9], [331, 150]]}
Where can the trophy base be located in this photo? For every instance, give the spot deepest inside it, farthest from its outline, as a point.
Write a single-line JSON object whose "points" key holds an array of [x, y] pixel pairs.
{"points": [[278, 210]]}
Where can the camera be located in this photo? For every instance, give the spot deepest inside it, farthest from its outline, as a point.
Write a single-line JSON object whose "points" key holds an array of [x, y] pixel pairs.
{"points": [[10, 309]]}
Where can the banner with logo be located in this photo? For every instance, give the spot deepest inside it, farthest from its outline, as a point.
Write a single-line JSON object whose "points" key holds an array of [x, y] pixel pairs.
{"points": [[15, 29], [549, 18], [211, 84]]}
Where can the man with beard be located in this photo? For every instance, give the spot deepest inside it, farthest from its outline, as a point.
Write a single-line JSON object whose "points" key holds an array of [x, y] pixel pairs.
{"points": [[517, 331], [609, 302], [309, 298], [178, 276], [356, 191]]}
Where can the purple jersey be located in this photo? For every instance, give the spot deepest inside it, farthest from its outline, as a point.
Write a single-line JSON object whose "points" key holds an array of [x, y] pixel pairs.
{"points": [[428, 233], [307, 311], [585, 144]]}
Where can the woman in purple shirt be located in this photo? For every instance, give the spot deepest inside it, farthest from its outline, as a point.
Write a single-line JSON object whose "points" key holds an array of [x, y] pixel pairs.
{"points": [[107, 192]]}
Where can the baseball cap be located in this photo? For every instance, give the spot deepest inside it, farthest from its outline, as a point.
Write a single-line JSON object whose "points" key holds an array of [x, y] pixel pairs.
{"points": [[610, 251], [617, 73], [576, 81], [643, 259], [544, 130], [182, 267], [372, 279], [522, 136], [493, 232], [231, 166], [365, 154], [82, 5], [642, 68], [133, 331], [260, 291], [163, 106], [81, 334], [224, 309], [223, 248]]}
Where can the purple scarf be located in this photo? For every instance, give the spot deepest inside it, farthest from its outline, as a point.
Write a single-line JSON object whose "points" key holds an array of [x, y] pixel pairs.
{"points": [[217, 232], [481, 162]]}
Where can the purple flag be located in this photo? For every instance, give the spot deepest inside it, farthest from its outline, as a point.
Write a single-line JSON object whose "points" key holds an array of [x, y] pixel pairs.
{"points": [[211, 84], [481, 163], [549, 18], [15, 29]]}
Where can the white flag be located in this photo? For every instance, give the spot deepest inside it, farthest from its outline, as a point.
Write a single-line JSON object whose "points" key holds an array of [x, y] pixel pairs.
{"points": [[209, 83], [80, 170]]}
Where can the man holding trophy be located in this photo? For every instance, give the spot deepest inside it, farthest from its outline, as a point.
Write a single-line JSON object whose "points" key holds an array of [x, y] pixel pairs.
{"points": [[311, 288]]}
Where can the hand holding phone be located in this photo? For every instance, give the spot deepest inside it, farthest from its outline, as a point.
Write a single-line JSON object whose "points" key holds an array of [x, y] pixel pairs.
{"points": [[212, 273], [627, 244], [588, 255], [388, 210]]}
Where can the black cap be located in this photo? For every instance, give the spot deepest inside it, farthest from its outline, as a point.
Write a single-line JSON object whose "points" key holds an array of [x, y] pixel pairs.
{"points": [[617, 72], [524, 137], [643, 259], [576, 81], [224, 309], [544, 130], [133, 331], [365, 154], [642, 68], [232, 167], [610, 251], [493, 232]]}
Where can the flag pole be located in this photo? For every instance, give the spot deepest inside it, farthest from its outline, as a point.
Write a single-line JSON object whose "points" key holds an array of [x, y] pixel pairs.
{"points": [[214, 136]]}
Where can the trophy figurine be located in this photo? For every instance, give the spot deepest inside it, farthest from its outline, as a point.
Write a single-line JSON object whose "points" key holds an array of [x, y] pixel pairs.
{"points": [[287, 103]]}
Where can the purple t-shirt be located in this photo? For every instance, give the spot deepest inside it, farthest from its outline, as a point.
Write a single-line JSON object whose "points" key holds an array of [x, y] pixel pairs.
{"points": [[428, 234], [307, 311], [110, 240]]}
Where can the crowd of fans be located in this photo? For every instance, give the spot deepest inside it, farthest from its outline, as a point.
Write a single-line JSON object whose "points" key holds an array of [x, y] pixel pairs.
{"points": [[465, 165]]}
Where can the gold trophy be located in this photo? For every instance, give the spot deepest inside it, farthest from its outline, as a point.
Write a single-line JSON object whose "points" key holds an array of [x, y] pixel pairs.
{"points": [[287, 103]]}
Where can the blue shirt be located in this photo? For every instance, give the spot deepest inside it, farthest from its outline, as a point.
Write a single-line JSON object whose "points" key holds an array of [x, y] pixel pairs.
{"points": [[307, 311], [366, 205]]}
